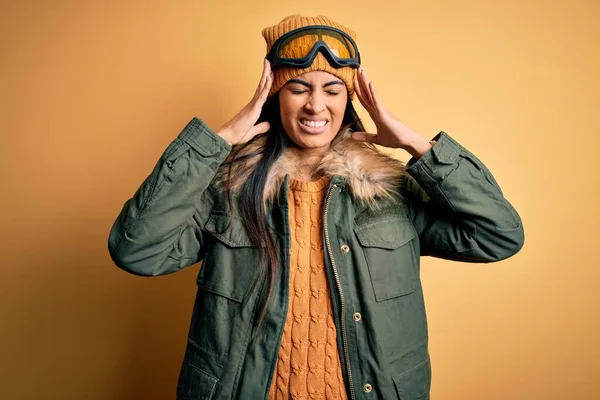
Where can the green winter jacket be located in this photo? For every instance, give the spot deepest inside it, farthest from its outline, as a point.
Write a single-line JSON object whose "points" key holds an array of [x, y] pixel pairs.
{"points": [[380, 217]]}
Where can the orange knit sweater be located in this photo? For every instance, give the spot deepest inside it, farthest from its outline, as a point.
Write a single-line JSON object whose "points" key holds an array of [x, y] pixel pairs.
{"points": [[309, 365]]}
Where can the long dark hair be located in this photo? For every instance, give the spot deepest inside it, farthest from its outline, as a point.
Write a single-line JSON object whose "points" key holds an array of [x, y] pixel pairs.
{"points": [[251, 194]]}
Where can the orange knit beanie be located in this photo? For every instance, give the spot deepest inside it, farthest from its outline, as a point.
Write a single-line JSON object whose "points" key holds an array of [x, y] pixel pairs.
{"points": [[282, 75]]}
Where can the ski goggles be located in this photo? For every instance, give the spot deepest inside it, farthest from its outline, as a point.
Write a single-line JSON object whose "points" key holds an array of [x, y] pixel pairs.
{"points": [[298, 48]]}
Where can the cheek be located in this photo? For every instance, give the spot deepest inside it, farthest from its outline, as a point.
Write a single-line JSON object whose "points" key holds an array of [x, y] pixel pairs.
{"points": [[338, 110], [288, 113], [287, 103]]}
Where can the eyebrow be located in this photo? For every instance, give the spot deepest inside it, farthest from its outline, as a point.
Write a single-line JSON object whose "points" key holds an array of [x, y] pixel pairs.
{"points": [[308, 85]]}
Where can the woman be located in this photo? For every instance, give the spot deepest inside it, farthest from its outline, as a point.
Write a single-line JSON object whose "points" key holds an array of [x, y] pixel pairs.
{"points": [[310, 237]]}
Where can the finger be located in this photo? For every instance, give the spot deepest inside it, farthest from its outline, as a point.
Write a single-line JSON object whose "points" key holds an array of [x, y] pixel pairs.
{"points": [[263, 79], [367, 89], [359, 93], [364, 88], [361, 96], [269, 82], [268, 73], [259, 129], [262, 97], [375, 95], [364, 137]]}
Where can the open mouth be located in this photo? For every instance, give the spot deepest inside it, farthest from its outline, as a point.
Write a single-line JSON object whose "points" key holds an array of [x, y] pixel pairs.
{"points": [[313, 127]]}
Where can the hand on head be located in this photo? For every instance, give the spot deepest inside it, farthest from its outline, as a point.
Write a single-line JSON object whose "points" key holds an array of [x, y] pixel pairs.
{"points": [[391, 132], [241, 128]]}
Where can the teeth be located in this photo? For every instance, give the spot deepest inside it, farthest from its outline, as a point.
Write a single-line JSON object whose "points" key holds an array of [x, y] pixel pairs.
{"points": [[313, 124]]}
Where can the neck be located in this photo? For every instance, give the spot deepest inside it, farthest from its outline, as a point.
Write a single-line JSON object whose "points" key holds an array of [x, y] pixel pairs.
{"points": [[308, 161]]}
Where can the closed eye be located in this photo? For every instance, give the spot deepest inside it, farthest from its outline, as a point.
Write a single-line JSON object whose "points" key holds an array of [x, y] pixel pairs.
{"points": [[304, 91]]}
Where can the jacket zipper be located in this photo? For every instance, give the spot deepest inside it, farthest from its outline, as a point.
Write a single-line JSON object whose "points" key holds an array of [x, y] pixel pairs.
{"points": [[339, 286]]}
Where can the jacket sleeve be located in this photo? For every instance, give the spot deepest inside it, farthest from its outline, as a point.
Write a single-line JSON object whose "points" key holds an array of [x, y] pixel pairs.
{"points": [[458, 208], [159, 229]]}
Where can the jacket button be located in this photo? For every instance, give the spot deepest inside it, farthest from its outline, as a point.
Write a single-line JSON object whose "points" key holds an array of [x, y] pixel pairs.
{"points": [[357, 317], [345, 248], [368, 388]]}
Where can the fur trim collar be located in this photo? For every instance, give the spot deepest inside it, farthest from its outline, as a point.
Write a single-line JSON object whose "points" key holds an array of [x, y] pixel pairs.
{"points": [[369, 173]]}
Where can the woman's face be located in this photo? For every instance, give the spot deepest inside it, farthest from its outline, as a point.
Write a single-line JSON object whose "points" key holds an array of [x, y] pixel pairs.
{"points": [[312, 108]]}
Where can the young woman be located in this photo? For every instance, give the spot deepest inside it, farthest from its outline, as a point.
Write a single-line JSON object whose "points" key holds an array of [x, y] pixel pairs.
{"points": [[309, 237]]}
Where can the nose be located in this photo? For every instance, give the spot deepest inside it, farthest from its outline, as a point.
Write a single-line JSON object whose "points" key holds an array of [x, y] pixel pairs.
{"points": [[316, 103]]}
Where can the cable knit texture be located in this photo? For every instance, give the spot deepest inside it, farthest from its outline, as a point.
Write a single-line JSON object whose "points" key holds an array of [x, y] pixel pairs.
{"points": [[308, 366]]}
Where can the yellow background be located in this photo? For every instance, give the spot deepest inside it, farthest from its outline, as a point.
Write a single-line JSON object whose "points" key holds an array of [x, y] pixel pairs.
{"points": [[92, 92]]}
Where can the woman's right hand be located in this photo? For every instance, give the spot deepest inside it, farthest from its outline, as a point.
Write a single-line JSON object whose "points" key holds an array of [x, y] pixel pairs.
{"points": [[241, 128]]}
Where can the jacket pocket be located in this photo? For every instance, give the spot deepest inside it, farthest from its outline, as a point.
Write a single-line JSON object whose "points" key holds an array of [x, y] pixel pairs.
{"points": [[195, 384], [229, 230], [225, 281], [390, 255], [415, 383], [230, 264]]}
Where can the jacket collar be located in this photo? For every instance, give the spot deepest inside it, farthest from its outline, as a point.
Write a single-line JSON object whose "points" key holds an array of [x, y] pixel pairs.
{"points": [[368, 173]]}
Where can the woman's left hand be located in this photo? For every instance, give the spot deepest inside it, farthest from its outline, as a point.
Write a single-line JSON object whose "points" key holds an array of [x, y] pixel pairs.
{"points": [[391, 132]]}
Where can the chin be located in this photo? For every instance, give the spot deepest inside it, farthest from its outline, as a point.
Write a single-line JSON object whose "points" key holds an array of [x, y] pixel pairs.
{"points": [[314, 142]]}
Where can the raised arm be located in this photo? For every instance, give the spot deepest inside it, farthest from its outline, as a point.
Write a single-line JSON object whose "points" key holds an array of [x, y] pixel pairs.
{"points": [[456, 204], [458, 207], [159, 229]]}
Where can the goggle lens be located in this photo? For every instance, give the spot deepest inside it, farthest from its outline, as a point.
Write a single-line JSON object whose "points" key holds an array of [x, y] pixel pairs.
{"points": [[300, 44]]}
